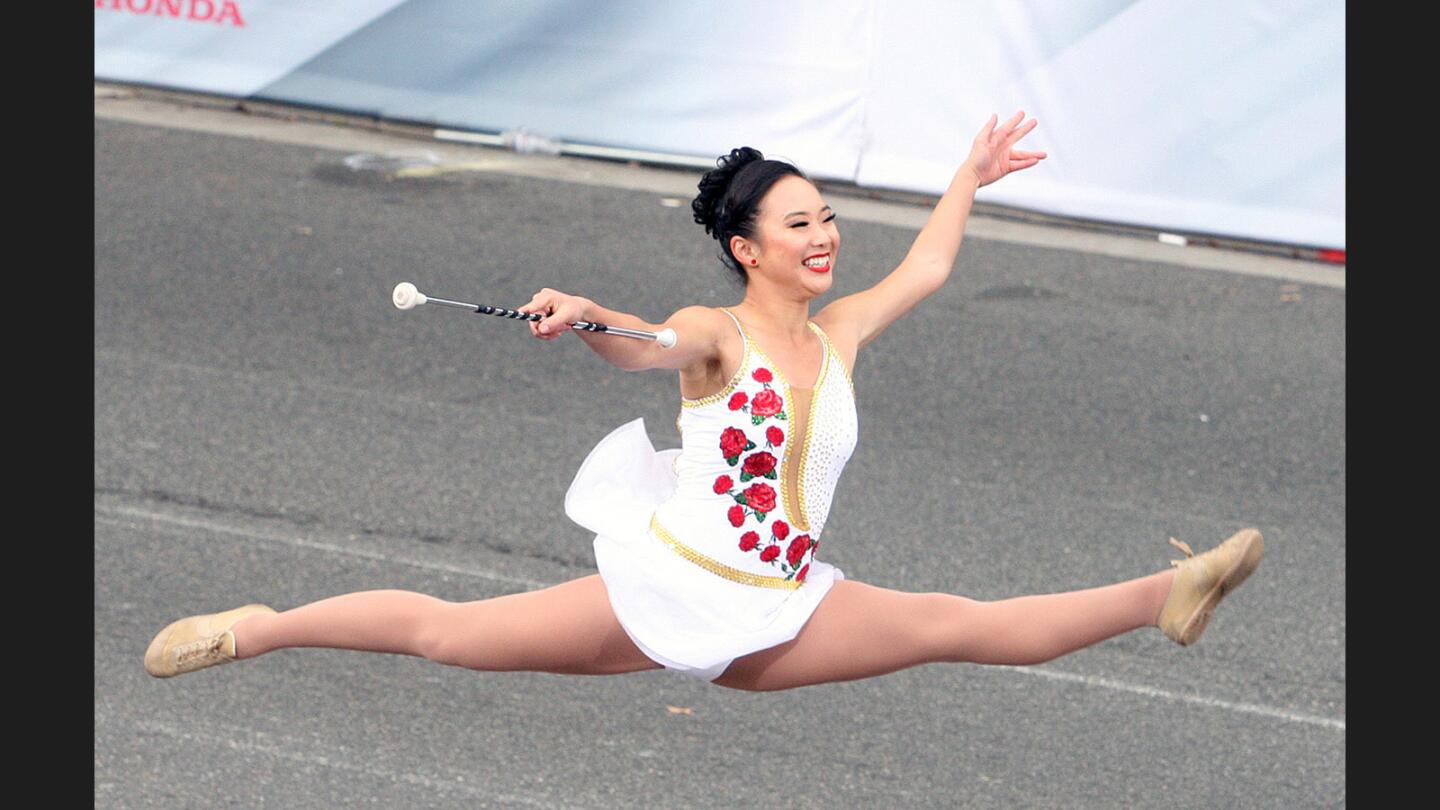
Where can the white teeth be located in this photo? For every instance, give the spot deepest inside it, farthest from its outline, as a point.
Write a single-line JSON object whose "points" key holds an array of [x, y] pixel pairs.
{"points": [[819, 261]]}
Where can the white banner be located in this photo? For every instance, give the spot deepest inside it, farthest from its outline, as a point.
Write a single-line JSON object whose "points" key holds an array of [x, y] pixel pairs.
{"points": [[1215, 117], [230, 47], [1223, 117]]}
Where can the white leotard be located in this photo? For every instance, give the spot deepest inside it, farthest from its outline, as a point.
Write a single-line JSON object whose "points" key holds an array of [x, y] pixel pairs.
{"points": [[708, 551]]}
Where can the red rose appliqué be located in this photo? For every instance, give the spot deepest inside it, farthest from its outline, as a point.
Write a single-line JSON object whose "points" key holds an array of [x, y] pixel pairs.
{"points": [[800, 577], [748, 541], [723, 484], [738, 401], [774, 436], [760, 497], [797, 549], [758, 465], [766, 403], [733, 443], [736, 515], [762, 375], [780, 529], [770, 553]]}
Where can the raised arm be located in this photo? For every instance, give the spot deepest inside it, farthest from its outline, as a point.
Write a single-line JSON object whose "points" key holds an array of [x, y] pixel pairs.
{"points": [[698, 331], [932, 256]]}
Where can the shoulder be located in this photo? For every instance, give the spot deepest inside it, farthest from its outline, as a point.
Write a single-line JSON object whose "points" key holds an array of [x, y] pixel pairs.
{"points": [[701, 331], [843, 331], [837, 319], [706, 325]]}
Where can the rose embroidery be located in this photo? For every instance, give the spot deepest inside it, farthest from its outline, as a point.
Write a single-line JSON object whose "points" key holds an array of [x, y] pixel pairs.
{"points": [[760, 498], [764, 405], [797, 549], [795, 552], [732, 443], [758, 465], [736, 515]]}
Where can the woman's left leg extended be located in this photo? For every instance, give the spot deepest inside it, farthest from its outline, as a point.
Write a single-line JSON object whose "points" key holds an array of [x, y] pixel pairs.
{"points": [[860, 631]]}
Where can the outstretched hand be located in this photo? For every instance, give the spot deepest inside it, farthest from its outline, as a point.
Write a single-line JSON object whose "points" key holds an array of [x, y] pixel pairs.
{"points": [[993, 155]]}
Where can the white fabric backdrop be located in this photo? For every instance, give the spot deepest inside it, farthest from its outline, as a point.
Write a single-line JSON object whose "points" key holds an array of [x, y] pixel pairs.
{"points": [[1222, 117], [203, 48]]}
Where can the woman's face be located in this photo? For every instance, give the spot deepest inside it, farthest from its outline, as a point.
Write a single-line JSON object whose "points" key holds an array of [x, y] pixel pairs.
{"points": [[796, 240]]}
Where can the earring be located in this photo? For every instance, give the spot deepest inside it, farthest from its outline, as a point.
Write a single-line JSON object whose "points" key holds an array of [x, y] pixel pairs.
{"points": [[754, 262]]}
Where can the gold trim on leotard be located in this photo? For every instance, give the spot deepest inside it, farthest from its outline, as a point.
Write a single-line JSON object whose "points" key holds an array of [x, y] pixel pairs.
{"points": [[797, 455], [810, 421], [840, 362], [716, 567]]}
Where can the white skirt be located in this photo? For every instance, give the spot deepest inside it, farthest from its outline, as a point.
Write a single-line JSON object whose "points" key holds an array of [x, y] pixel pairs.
{"points": [[679, 614]]}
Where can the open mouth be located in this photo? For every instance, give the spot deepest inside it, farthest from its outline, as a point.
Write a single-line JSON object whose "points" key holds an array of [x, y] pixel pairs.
{"points": [[819, 263]]}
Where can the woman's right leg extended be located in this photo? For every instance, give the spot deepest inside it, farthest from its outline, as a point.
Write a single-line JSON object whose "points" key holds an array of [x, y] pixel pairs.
{"points": [[566, 629]]}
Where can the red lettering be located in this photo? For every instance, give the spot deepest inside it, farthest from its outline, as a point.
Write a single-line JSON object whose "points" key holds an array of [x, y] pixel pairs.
{"points": [[232, 11], [198, 10]]}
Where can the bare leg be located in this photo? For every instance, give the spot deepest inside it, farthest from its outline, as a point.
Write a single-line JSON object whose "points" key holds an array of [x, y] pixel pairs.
{"points": [[567, 628], [860, 631]]}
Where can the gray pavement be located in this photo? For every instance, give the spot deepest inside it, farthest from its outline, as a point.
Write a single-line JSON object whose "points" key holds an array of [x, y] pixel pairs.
{"points": [[268, 428]]}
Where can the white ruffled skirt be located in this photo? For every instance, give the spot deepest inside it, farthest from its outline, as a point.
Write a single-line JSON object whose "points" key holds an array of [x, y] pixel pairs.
{"points": [[679, 614]]}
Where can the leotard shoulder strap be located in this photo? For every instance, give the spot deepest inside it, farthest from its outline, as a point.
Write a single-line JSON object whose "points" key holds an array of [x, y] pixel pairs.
{"points": [[737, 324]]}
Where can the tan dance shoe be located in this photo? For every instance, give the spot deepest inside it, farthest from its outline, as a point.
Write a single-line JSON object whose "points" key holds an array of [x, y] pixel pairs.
{"points": [[197, 642], [1203, 580]]}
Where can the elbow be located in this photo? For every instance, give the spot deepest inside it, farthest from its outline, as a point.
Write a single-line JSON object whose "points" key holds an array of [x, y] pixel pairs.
{"points": [[641, 360]]}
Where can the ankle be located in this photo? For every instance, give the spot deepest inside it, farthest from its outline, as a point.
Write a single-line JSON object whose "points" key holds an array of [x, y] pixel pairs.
{"points": [[1164, 583], [246, 639]]}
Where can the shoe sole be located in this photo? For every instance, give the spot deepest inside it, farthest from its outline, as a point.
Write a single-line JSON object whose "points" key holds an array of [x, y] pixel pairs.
{"points": [[1245, 564]]}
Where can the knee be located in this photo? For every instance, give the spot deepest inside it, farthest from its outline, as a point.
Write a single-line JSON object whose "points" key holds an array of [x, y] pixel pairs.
{"points": [[946, 625], [436, 639], [963, 630]]}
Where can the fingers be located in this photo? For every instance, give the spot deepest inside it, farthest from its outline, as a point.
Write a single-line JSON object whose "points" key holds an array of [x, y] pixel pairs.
{"points": [[554, 326], [1016, 134], [988, 128], [558, 309], [1008, 132], [544, 303]]}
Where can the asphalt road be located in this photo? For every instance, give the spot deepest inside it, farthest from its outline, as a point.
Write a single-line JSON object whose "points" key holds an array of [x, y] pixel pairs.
{"points": [[269, 428]]}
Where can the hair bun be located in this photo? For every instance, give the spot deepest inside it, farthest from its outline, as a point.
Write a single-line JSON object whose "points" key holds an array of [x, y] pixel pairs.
{"points": [[709, 204]]}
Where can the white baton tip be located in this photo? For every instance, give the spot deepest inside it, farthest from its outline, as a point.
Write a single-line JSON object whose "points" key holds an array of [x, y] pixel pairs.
{"points": [[406, 296], [666, 338]]}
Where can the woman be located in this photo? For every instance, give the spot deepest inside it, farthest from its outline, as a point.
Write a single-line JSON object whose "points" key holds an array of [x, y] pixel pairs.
{"points": [[707, 553]]}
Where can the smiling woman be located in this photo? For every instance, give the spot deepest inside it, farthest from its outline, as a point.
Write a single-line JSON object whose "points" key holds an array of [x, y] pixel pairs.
{"points": [[708, 554]]}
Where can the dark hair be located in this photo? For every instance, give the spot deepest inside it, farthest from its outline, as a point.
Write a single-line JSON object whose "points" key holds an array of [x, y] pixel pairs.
{"points": [[730, 197]]}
